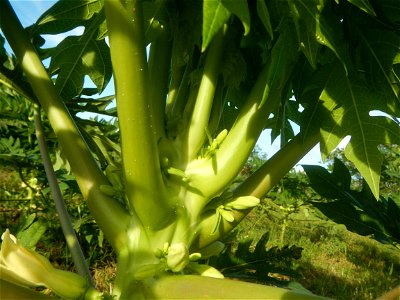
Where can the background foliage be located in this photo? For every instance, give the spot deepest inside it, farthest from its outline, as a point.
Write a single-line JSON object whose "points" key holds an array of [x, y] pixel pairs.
{"points": [[346, 68]]}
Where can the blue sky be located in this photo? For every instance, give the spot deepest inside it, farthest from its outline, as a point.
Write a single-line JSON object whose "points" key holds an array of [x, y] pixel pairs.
{"points": [[29, 11]]}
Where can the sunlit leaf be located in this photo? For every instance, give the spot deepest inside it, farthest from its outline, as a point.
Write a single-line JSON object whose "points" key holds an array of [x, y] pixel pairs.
{"points": [[306, 30], [314, 23], [78, 56], [65, 15], [349, 102], [215, 14], [239, 8]]}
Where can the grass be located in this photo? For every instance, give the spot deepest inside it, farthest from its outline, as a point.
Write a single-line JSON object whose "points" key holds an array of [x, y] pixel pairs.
{"points": [[335, 262]]}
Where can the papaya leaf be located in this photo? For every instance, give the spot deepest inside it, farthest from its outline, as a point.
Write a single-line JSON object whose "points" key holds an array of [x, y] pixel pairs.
{"points": [[93, 105], [215, 14], [333, 185], [380, 51], [349, 102], [240, 9], [288, 110], [78, 56], [282, 60], [358, 210], [314, 24], [105, 149], [65, 15], [305, 29]]}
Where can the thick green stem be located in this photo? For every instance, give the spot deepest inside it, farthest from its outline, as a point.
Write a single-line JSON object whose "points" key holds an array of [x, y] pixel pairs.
{"points": [[144, 184], [272, 171], [110, 216], [202, 287], [198, 125], [216, 113], [213, 174], [159, 63], [233, 152], [257, 185], [65, 221]]}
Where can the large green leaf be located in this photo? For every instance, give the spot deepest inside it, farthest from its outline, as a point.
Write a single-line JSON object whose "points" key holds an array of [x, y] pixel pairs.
{"points": [[65, 15], [78, 56], [380, 51], [315, 24], [93, 105], [215, 14], [282, 59], [358, 210], [349, 102], [307, 86], [305, 28], [279, 123], [240, 9]]}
